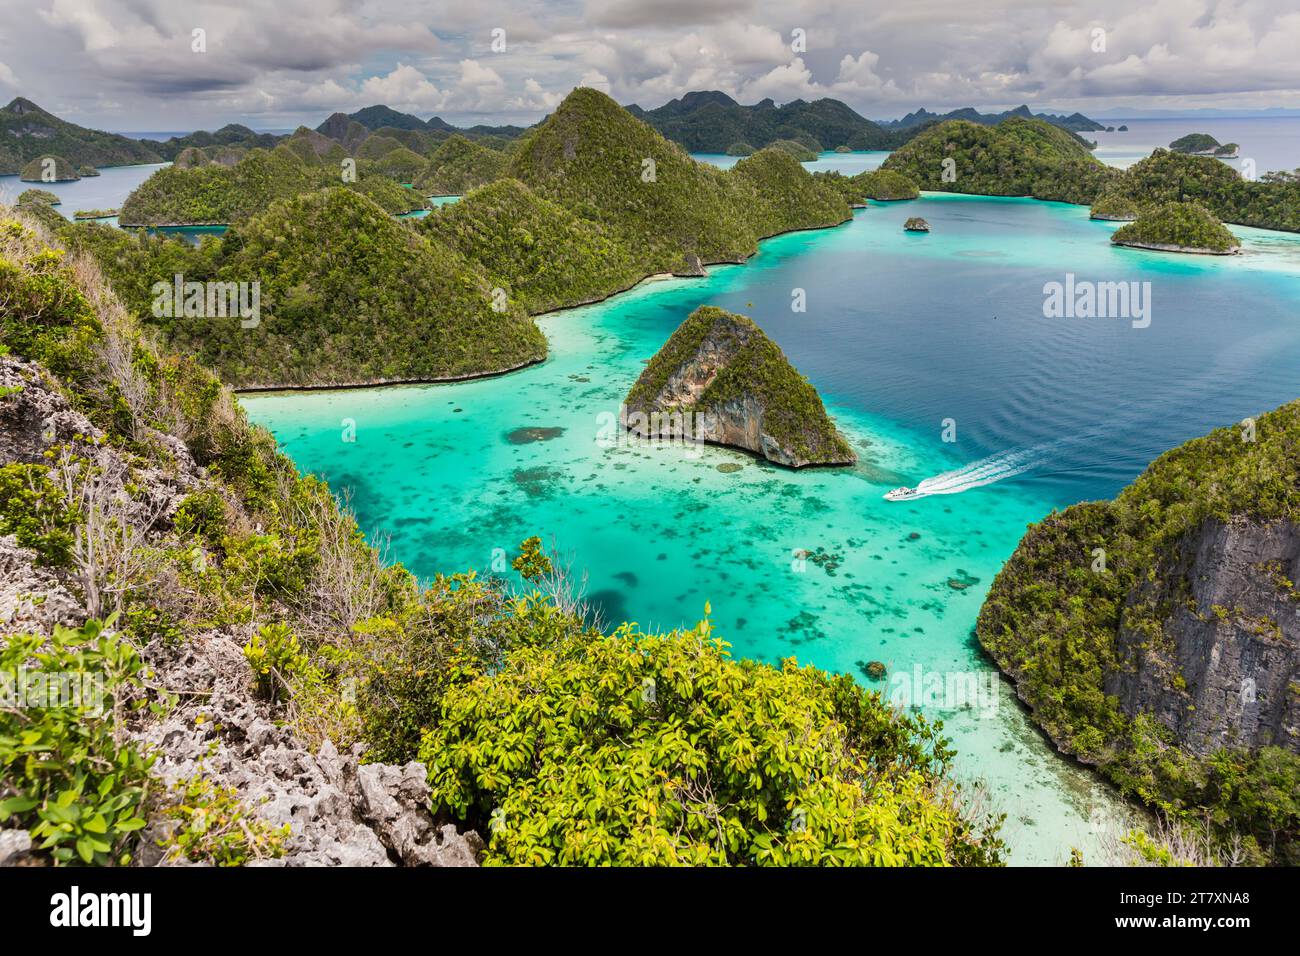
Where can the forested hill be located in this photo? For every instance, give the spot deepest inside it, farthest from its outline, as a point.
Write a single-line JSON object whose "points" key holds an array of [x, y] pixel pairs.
{"points": [[712, 122], [28, 132]]}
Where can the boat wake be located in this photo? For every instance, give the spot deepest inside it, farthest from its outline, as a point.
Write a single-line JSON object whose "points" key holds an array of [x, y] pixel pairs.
{"points": [[986, 471]]}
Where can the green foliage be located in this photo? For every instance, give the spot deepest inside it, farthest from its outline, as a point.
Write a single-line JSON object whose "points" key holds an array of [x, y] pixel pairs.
{"points": [[388, 303], [1113, 204], [202, 513], [35, 510], [532, 562], [28, 132], [459, 165], [713, 122], [785, 197], [1017, 157], [1195, 143], [757, 368], [275, 657], [740, 149], [1052, 623], [652, 750], [884, 185], [38, 195], [590, 156], [214, 194], [212, 826], [64, 776], [796, 149], [1188, 226], [540, 253], [1271, 202]]}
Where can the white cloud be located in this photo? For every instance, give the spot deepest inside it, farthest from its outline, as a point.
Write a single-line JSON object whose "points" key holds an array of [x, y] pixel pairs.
{"points": [[128, 63]]}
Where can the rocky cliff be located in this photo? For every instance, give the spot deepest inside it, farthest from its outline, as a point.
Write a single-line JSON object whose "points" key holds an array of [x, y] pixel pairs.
{"points": [[720, 379], [1228, 673], [339, 811], [1157, 636]]}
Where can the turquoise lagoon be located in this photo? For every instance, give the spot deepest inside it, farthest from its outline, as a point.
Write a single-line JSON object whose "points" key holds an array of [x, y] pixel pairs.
{"points": [[901, 333]]}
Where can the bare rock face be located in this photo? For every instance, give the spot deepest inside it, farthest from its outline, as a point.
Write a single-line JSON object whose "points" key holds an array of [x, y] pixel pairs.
{"points": [[720, 380], [1231, 676]]}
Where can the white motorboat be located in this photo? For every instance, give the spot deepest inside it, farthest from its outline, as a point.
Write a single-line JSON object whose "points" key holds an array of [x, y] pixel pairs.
{"points": [[902, 494]]}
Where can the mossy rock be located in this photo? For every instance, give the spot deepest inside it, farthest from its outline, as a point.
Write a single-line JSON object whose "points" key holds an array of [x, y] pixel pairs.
{"points": [[916, 224]]}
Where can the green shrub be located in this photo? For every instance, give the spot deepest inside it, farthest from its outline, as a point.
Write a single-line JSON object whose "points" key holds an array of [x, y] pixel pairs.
{"points": [[212, 826], [648, 749], [64, 775], [202, 513], [36, 512]]}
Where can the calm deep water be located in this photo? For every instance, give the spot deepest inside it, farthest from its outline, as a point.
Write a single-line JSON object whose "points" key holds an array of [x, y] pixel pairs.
{"points": [[901, 333]]}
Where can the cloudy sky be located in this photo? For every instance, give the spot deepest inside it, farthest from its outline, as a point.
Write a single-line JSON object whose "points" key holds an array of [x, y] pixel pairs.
{"points": [[136, 64]]}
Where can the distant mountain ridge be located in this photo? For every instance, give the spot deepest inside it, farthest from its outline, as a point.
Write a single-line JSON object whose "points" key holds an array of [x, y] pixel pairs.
{"points": [[710, 121], [1075, 122]]}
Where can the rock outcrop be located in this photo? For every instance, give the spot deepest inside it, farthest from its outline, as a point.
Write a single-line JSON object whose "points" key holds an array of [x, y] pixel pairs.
{"points": [[1232, 675], [720, 379], [340, 811]]}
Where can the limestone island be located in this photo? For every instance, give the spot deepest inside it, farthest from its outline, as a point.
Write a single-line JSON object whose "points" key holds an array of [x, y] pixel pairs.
{"points": [[1113, 206], [1203, 144], [48, 169], [1178, 227], [721, 380], [28, 196], [886, 185], [916, 224]]}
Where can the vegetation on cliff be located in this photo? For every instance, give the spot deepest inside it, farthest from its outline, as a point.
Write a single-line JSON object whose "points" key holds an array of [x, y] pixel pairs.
{"points": [[1179, 227], [602, 164], [1202, 144], [1053, 618], [1018, 157], [743, 367], [542, 255], [651, 750], [337, 647], [38, 195], [710, 122], [1271, 202], [459, 165], [884, 185], [388, 303], [217, 194]]}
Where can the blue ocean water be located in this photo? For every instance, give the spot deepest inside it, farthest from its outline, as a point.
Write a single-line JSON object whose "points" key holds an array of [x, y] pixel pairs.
{"points": [[827, 161], [108, 190], [902, 335], [1273, 143]]}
